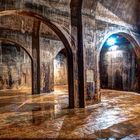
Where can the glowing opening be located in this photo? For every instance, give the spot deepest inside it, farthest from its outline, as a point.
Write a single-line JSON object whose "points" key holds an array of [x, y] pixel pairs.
{"points": [[111, 41]]}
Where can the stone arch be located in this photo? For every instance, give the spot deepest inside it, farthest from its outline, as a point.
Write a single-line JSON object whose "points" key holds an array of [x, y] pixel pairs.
{"points": [[130, 37], [60, 50], [66, 41], [3, 40], [127, 34], [13, 38], [61, 58], [11, 42]]}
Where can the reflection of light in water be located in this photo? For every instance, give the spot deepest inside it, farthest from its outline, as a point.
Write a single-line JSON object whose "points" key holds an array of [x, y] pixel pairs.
{"points": [[57, 108], [109, 118], [103, 121]]}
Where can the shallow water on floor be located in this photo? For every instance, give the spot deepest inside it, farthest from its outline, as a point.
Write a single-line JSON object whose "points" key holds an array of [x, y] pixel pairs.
{"points": [[46, 116]]}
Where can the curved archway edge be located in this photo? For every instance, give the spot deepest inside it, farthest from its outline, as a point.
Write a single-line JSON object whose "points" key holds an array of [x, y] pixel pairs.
{"points": [[127, 35], [62, 38], [2, 40], [130, 37], [17, 43]]}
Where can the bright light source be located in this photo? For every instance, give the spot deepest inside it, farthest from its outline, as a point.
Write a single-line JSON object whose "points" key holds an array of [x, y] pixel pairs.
{"points": [[111, 41], [113, 48]]}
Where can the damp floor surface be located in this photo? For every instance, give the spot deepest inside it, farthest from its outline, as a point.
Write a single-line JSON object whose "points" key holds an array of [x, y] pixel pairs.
{"points": [[23, 116]]}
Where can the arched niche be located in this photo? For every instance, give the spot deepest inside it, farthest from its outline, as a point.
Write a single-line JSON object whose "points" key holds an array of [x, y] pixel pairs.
{"points": [[60, 33], [16, 67], [61, 69], [118, 65]]}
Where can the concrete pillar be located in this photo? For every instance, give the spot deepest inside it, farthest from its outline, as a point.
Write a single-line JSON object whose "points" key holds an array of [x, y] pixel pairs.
{"points": [[137, 52], [71, 81], [138, 67], [97, 96], [36, 58], [0, 53], [77, 31]]}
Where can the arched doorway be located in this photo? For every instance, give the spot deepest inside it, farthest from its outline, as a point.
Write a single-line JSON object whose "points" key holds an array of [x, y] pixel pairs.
{"points": [[15, 68], [66, 42], [61, 71], [118, 64]]}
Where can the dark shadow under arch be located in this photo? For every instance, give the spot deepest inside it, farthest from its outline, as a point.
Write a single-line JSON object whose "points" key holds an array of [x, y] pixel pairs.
{"points": [[63, 51], [61, 58], [6, 41]]}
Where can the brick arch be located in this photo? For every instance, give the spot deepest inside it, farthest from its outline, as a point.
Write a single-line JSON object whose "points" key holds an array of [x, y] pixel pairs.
{"points": [[65, 39]]}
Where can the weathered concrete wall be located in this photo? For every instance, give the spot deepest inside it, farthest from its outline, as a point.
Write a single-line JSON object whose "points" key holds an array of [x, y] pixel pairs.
{"points": [[89, 51], [22, 39], [49, 49], [15, 68], [118, 68], [95, 34]]}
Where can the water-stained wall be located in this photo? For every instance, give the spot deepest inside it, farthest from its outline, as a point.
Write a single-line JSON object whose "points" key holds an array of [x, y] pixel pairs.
{"points": [[118, 67], [49, 49], [15, 68]]}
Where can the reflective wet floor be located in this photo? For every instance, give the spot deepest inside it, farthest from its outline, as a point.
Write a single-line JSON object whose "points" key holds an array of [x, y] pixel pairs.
{"points": [[46, 116]]}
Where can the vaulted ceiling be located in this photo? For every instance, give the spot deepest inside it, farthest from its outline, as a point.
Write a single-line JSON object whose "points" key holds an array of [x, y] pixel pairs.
{"points": [[126, 11]]}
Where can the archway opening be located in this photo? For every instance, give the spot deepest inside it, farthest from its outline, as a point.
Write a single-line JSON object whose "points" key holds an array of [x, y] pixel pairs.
{"points": [[15, 69], [118, 64], [61, 71], [62, 35], [54, 66]]}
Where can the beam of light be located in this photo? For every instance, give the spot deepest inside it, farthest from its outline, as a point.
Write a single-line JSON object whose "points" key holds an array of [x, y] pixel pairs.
{"points": [[25, 102], [111, 41]]}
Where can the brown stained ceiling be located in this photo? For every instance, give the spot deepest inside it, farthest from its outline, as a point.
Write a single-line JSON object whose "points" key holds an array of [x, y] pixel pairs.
{"points": [[24, 24], [89, 7], [17, 23], [47, 32], [57, 4], [125, 10]]}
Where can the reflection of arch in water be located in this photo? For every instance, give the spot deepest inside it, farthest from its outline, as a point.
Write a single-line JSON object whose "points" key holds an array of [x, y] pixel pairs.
{"points": [[15, 44]]}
